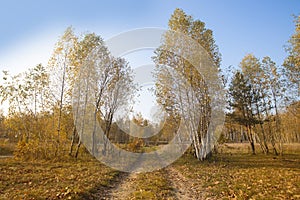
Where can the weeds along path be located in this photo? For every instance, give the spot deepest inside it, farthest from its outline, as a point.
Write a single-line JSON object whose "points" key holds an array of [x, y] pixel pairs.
{"points": [[183, 188]]}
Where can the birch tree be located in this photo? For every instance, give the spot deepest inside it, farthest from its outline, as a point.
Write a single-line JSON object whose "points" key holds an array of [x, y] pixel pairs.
{"points": [[83, 48], [183, 98], [254, 74], [60, 64], [276, 93], [104, 84]]}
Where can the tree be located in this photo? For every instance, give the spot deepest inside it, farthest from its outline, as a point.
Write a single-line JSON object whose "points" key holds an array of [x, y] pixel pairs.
{"points": [[292, 62], [253, 72], [240, 92], [37, 86], [60, 64], [40, 110], [84, 47], [266, 90], [180, 88], [119, 92], [104, 84], [28, 118], [16, 93], [289, 121], [275, 94]]}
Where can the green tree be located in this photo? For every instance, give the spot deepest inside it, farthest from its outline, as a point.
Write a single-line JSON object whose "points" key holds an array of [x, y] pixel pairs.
{"points": [[241, 101]]}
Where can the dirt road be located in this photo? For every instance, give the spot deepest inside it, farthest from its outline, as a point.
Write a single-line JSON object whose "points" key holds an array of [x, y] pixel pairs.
{"points": [[181, 187]]}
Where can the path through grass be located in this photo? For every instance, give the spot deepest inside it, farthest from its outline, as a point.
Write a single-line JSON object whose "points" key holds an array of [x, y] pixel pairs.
{"points": [[228, 175]]}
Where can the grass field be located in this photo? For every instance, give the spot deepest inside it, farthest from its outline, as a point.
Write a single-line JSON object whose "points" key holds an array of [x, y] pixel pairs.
{"points": [[231, 174]]}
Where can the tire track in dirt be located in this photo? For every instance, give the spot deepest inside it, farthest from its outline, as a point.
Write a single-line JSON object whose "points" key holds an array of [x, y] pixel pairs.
{"points": [[125, 188], [110, 192], [183, 188]]}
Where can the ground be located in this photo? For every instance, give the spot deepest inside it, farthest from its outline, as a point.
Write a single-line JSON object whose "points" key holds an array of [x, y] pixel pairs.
{"points": [[233, 173]]}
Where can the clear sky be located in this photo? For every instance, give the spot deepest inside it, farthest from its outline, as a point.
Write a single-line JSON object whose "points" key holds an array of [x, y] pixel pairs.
{"points": [[29, 29]]}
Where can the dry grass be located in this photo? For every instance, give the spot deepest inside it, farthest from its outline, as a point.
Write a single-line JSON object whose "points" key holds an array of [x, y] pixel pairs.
{"points": [[232, 174], [151, 185], [44, 180], [6, 147]]}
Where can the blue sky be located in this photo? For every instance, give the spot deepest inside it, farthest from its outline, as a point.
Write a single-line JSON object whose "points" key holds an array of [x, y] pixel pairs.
{"points": [[29, 29]]}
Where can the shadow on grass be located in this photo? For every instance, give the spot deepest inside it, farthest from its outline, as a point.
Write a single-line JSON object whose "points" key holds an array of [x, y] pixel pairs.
{"points": [[6, 150], [291, 161]]}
